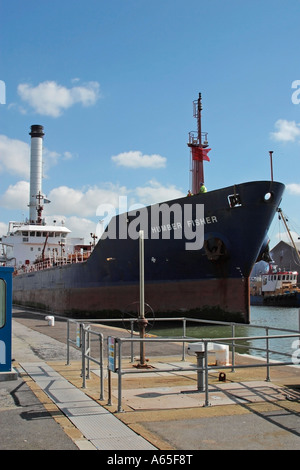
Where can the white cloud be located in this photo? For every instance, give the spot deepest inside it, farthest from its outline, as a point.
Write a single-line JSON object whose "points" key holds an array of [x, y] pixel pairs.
{"points": [[86, 202], [71, 201], [83, 208], [287, 131], [155, 192], [14, 156], [293, 188], [3, 228], [16, 196], [51, 99], [81, 227], [135, 159], [283, 236], [97, 203], [68, 155]]}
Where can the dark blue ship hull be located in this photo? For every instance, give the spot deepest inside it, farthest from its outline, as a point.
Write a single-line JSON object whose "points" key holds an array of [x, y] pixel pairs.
{"points": [[182, 274]]}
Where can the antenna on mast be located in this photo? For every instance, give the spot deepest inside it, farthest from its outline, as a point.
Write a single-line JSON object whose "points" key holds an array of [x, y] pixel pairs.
{"points": [[199, 149]]}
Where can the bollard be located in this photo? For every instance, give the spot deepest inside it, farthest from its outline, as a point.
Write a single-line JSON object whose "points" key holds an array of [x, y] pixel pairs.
{"points": [[200, 371], [50, 320], [199, 350]]}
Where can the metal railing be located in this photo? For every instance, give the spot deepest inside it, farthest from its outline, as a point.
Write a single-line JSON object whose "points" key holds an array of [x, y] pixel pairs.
{"points": [[48, 263], [267, 364], [233, 340], [86, 354], [82, 341], [77, 342]]}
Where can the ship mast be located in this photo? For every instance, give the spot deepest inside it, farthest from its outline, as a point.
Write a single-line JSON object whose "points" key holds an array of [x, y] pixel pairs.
{"points": [[199, 149], [288, 231]]}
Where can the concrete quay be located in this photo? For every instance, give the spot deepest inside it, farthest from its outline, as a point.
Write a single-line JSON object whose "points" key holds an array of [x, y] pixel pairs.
{"points": [[47, 408]]}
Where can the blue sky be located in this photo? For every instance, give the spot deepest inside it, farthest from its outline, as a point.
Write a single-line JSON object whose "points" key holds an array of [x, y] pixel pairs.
{"points": [[113, 85]]}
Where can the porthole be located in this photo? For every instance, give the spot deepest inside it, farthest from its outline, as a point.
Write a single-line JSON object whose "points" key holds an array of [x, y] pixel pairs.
{"points": [[268, 197]]}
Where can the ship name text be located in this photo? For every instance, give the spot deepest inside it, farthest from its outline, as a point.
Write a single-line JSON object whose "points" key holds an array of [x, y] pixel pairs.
{"points": [[178, 226], [159, 221]]}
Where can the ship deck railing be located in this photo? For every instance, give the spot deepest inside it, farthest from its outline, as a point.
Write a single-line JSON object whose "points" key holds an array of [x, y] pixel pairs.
{"points": [[53, 262]]}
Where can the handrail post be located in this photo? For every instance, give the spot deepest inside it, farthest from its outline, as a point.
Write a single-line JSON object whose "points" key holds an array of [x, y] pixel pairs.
{"points": [[233, 347], [268, 358], [88, 351], [101, 367], [206, 374], [83, 355], [131, 343], [109, 387], [184, 336], [68, 342], [119, 375], [109, 378]]}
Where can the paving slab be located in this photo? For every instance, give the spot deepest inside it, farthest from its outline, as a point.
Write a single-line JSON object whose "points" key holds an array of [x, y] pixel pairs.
{"points": [[101, 428]]}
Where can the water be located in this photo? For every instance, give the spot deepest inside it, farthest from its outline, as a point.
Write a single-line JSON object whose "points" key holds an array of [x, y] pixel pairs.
{"points": [[277, 317], [272, 317]]}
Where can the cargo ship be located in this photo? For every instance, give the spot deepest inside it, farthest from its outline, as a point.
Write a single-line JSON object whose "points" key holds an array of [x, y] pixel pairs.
{"points": [[198, 253]]}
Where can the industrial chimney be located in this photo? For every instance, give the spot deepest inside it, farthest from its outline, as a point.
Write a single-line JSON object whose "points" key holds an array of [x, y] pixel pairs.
{"points": [[35, 196]]}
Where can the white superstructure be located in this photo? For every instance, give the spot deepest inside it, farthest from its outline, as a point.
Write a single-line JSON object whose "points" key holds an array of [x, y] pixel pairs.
{"points": [[276, 281], [33, 241]]}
